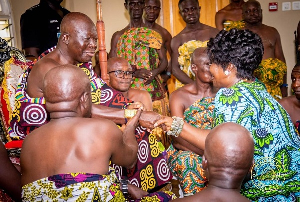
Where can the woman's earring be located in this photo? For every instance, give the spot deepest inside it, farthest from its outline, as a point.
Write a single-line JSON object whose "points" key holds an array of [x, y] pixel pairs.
{"points": [[226, 72]]}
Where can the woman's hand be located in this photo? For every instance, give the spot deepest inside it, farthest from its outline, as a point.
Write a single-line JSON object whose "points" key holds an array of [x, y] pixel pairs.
{"points": [[165, 122]]}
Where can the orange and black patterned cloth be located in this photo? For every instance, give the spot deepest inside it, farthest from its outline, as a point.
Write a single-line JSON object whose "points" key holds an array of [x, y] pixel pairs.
{"points": [[186, 166]]}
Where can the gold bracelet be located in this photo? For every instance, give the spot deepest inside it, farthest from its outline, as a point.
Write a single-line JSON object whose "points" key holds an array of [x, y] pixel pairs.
{"points": [[129, 113]]}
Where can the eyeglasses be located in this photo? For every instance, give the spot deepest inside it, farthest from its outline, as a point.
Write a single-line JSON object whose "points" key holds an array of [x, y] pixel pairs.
{"points": [[155, 8], [122, 74]]}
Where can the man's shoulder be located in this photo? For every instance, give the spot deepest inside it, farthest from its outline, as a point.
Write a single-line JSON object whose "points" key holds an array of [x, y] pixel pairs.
{"points": [[182, 92], [209, 29], [162, 30], [120, 32], [32, 11], [224, 10], [288, 101]]}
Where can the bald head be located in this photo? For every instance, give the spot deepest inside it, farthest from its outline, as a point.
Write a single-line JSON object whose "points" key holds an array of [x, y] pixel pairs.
{"points": [[229, 146], [73, 21], [64, 86], [78, 39], [114, 62], [199, 52]]}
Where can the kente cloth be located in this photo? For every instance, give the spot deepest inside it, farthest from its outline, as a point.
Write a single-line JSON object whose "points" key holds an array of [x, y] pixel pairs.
{"points": [[229, 24], [276, 175], [186, 166], [139, 46], [30, 113], [185, 53], [74, 187], [151, 170], [271, 72]]}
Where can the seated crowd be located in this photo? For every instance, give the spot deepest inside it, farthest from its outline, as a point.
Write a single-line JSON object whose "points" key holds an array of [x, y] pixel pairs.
{"points": [[228, 132]]}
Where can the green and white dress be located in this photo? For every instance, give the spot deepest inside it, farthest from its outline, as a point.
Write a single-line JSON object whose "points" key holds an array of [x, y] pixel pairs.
{"points": [[277, 146]]}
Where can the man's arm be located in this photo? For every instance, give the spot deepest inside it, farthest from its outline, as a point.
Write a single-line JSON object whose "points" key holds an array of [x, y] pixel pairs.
{"points": [[125, 145], [219, 20], [162, 54], [279, 55], [113, 45], [147, 118], [177, 72]]}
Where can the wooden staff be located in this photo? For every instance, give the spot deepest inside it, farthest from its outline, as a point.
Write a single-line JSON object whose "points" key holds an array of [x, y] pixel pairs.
{"points": [[101, 42]]}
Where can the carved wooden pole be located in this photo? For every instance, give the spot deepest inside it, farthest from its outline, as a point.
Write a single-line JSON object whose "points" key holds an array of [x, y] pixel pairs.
{"points": [[101, 42]]}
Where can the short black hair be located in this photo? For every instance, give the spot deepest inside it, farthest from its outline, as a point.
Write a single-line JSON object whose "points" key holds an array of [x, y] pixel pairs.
{"points": [[180, 1], [242, 48]]}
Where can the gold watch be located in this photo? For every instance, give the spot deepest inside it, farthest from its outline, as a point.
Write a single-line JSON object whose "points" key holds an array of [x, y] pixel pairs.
{"points": [[129, 113]]}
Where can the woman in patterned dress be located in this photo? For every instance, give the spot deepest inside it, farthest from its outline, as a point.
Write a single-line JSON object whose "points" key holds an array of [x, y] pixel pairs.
{"points": [[244, 100]]}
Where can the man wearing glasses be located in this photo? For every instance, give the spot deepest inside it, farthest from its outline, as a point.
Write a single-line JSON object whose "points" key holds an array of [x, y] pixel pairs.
{"points": [[120, 78], [142, 47]]}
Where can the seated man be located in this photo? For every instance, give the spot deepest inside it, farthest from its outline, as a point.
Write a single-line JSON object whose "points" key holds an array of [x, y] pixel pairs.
{"points": [[120, 78], [66, 144], [151, 153], [10, 178], [74, 169], [292, 103], [195, 103], [226, 166], [72, 48]]}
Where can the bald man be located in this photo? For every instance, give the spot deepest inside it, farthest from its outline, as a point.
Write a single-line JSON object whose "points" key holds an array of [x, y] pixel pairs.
{"points": [[120, 78], [226, 166], [77, 44], [74, 143]]}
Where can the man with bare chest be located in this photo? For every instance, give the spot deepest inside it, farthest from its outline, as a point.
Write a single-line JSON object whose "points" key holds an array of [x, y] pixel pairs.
{"points": [[230, 16], [272, 70], [194, 35]]}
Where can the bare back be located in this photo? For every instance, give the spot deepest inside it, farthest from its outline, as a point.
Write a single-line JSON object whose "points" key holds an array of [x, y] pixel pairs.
{"points": [[77, 145]]}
